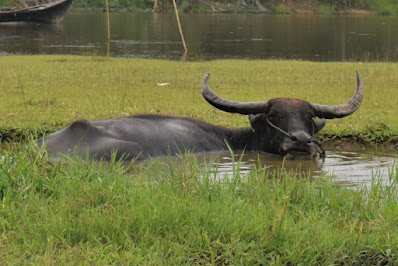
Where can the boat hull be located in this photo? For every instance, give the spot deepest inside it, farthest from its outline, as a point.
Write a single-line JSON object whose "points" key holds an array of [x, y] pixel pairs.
{"points": [[52, 13]]}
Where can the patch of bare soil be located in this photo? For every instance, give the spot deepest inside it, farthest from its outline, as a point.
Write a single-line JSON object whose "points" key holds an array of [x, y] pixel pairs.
{"points": [[305, 7], [312, 7], [352, 145], [357, 11]]}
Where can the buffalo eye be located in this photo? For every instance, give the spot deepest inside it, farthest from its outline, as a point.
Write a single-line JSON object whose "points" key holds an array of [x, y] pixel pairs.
{"points": [[272, 115]]}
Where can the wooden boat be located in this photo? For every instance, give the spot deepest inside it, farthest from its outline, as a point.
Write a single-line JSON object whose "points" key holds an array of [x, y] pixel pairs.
{"points": [[46, 13]]}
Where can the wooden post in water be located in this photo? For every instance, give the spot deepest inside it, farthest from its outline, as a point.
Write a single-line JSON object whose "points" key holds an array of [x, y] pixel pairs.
{"points": [[155, 6], [179, 26], [109, 28]]}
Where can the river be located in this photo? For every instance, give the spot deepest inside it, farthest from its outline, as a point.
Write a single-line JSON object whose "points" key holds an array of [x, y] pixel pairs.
{"points": [[210, 36], [229, 36]]}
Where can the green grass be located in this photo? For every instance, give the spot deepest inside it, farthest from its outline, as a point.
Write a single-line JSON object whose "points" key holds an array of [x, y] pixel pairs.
{"points": [[281, 9], [325, 10], [385, 7], [83, 212], [43, 93]]}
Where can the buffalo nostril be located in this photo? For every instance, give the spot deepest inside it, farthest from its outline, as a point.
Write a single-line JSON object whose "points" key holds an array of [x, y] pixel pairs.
{"points": [[301, 137]]}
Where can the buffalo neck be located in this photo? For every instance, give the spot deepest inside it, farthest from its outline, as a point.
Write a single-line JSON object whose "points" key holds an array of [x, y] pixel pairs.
{"points": [[240, 139]]}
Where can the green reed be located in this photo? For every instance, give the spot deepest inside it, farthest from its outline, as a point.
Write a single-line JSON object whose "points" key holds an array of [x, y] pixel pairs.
{"points": [[80, 212]]}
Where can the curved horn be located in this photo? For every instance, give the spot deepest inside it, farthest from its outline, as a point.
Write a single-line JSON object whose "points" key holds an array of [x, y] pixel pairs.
{"points": [[243, 108], [337, 111]]}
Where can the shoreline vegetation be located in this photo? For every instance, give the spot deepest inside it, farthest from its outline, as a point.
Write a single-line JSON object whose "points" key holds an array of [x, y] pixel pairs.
{"points": [[77, 211], [44, 93], [325, 7]]}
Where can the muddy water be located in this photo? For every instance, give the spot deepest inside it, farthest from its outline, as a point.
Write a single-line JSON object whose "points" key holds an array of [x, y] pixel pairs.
{"points": [[348, 168], [351, 167], [350, 164]]}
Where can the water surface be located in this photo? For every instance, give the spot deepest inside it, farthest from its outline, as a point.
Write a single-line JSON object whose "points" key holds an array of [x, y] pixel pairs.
{"points": [[209, 36], [348, 168]]}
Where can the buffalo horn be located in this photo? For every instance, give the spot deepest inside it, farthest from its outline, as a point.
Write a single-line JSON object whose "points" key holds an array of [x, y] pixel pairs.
{"points": [[243, 108], [337, 111]]}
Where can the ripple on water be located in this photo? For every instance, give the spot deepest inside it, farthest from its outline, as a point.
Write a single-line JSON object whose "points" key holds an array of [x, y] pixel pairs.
{"points": [[348, 168]]}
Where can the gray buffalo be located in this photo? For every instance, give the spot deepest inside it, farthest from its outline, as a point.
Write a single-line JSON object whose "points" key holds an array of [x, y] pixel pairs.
{"points": [[283, 126]]}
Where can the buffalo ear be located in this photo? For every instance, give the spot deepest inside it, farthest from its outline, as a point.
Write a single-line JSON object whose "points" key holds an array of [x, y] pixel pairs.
{"points": [[257, 121], [318, 125], [252, 118]]}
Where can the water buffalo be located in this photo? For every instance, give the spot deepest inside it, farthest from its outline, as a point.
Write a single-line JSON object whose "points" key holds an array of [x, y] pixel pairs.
{"points": [[284, 126]]}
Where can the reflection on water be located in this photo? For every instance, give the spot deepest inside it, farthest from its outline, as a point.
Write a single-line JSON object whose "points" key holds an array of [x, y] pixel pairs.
{"points": [[357, 168], [347, 168], [29, 38], [209, 36]]}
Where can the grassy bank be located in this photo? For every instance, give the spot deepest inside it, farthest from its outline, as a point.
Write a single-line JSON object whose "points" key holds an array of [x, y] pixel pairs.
{"points": [[80, 212], [83, 212], [43, 93]]}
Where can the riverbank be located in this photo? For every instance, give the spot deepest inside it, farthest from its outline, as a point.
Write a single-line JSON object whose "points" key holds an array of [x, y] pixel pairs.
{"points": [[370, 7], [83, 212], [382, 7], [45, 93]]}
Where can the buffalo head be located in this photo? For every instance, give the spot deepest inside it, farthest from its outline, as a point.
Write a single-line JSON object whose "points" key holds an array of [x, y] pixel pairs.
{"points": [[285, 126]]}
